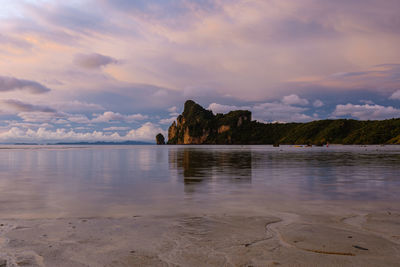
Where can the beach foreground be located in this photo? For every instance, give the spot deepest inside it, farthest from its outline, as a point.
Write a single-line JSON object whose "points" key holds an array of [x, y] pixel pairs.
{"points": [[284, 239], [199, 206]]}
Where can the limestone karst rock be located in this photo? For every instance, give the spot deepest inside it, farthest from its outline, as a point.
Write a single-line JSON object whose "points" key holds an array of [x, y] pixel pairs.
{"points": [[197, 125], [160, 140]]}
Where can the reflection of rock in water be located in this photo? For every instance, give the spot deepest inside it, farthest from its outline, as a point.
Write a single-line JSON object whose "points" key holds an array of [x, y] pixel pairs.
{"points": [[199, 165]]}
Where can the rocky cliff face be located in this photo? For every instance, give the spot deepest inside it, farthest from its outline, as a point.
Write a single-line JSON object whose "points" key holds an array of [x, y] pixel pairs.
{"points": [[197, 125]]}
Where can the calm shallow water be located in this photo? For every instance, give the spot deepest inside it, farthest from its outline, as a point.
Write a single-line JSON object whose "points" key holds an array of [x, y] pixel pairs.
{"points": [[53, 181]]}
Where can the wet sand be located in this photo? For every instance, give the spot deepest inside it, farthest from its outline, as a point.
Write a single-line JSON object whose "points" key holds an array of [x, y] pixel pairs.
{"points": [[276, 239]]}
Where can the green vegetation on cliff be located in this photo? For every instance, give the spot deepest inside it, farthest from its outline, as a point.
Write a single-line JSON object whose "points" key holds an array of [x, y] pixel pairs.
{"points": [[197, 125]]}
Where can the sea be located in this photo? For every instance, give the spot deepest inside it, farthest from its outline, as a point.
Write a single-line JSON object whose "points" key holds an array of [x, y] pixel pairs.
{"points": [[56, 181]]}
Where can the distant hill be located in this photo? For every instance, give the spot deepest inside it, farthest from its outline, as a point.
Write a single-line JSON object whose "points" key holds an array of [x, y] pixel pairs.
{"points": [[197, 125], [106, 143]]}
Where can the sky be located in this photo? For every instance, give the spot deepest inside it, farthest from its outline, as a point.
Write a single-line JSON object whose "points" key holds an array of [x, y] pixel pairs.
{"points": [[116, 70]]}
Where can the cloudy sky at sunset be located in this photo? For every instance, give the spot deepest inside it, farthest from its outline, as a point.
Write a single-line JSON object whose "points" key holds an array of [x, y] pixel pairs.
{"points": [[113, 70]]}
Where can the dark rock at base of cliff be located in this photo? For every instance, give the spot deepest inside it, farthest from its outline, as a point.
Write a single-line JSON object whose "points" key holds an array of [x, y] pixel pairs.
{"points": [[160, 140]]}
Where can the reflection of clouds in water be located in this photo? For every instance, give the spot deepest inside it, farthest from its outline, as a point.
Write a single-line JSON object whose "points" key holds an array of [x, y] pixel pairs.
{"points": [[202, 167], [145, 159], [79, 180], [20, 191], [99, 178], [316, 173]]}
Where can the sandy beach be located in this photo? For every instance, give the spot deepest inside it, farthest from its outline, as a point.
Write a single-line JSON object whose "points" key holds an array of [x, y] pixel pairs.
{"points": [[224, 206], [278, 239]]}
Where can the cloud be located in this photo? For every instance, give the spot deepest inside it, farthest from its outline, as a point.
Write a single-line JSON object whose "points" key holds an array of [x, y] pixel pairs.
{"points": [[77, 118], [379, 78], [30, 112], [115, 116], [272, 57], [267, 112], [39, 116], [25, 107], [162, 11], [146, 132], [282, 111], [318, 103], [270, 112], [76, 105], [395, 95], [93, 61], [15, 42], [73, 16], [367, 101], [219, 108], [38, 113], [115, 128], [12, 84], [43, 135], [168, 121], [367, 111], [173, 109], [241, 40], [29, 125], [294, 100], [81, 128], [61, 121]]}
